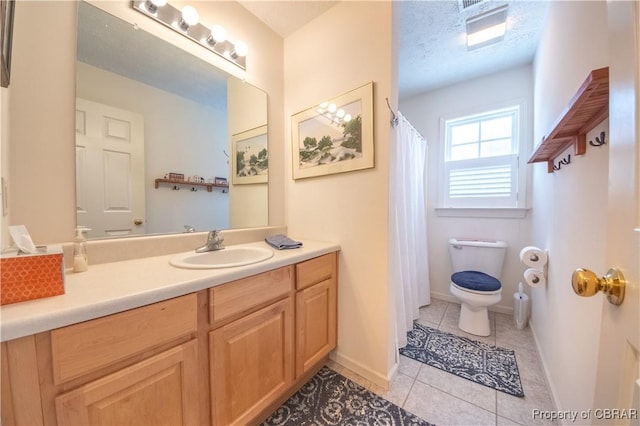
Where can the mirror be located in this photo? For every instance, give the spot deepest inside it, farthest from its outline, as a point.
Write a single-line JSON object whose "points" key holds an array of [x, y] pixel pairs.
{"points": [[156, 129]]}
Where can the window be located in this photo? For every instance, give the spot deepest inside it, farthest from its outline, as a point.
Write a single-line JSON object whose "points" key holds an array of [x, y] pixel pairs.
{"points": [[480, 168]]}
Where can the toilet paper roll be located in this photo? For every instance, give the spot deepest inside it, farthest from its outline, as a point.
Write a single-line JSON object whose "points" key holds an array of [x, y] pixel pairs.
{"points": [[533, 257], [535, 278]]}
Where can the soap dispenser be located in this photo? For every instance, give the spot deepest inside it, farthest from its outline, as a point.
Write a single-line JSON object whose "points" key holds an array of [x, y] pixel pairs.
{"points": [[80, 260]]}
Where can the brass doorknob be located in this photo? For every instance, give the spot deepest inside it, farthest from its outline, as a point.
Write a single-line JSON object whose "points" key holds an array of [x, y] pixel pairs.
{"points": [[586, 283], [137, 221]]}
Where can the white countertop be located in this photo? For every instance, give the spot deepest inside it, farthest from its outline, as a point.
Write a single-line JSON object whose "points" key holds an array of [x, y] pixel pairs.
{"points": [[115, 287]]}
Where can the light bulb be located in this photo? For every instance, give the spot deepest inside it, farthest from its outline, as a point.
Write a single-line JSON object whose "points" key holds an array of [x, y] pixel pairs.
{"points": [[218, 33], [241, 48], [153, 5], [347, 118], [340, 113], [332, 108], [190, 16]]}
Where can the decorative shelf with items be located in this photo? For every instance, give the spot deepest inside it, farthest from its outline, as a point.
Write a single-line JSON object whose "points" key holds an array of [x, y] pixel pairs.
{"points": [[588, 107], [176, 180]]}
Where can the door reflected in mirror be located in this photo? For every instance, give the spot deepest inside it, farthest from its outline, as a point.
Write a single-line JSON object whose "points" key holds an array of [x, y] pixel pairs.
{"points": [[147, 110]]}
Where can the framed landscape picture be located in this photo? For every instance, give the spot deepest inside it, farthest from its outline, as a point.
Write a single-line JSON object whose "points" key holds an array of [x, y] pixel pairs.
{"points": [[335, 136], [250, 159], [6, 15]]}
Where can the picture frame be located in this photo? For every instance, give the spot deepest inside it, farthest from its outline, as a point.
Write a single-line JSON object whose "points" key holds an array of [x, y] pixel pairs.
{"points": [[7, 8], [250, 157], [335, 136]]}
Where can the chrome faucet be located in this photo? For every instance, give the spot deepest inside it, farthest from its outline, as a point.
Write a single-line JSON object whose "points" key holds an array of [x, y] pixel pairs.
{"points": [[214, 242], [189, 228]]}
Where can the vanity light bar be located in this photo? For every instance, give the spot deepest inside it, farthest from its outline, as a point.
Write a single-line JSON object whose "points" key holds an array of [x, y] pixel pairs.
{"points": [[189, 27]]}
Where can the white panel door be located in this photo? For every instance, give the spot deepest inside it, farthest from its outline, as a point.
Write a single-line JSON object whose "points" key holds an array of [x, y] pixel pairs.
{"points": [[110, 185], [617, 395]]}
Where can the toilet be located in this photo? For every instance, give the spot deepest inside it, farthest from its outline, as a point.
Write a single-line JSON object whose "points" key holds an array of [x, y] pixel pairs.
{"points": [[477, 266]]}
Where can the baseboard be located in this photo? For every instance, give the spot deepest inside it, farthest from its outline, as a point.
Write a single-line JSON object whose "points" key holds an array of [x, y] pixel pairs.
{"points": [[545, 370], [452, 299], [373, 376]]}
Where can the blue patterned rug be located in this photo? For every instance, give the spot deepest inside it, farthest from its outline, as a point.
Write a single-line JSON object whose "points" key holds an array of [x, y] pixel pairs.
{"points": [[479, 362], [329, 398]]}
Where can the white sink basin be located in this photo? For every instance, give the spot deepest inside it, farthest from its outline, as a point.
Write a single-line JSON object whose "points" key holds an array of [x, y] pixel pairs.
{"points": [[228, 257]]}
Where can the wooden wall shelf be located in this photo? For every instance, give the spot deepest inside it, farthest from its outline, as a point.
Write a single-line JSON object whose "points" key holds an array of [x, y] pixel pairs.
{"points": [[588, 107], [174, 182]]}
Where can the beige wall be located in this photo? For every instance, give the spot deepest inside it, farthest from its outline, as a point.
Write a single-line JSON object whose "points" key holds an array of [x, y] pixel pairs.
{"points": [[345, 48], [41, 118], [566, 219], [5, 240]]}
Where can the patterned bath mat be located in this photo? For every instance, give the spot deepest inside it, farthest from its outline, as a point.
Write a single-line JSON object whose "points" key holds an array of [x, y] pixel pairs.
{"points": [[479, 362], [329, 398]]}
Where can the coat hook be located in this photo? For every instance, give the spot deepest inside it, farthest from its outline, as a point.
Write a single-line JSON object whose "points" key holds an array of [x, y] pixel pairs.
{"points": [[564, 161], [599, 141]]}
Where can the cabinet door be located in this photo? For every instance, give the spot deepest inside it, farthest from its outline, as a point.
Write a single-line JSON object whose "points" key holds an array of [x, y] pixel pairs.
{"points": [[316, 318], [159, 390], [251, 363]]}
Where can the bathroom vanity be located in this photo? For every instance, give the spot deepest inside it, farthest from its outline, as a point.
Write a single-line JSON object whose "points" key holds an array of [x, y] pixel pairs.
{"points": [[222, 346]]}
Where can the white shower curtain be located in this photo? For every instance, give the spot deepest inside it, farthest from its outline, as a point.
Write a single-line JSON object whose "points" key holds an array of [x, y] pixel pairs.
{"points": [[408, 269]]}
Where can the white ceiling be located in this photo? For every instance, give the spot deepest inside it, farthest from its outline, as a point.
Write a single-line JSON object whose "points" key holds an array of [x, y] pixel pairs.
{"points": [[285, 17], [432, 46]]}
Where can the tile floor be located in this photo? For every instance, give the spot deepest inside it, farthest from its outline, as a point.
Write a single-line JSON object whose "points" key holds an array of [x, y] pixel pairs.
{"points": [[445, 399]]}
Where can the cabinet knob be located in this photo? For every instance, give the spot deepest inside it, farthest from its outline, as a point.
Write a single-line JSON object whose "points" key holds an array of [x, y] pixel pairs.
{"points": [[586, 283], [138, 222]]}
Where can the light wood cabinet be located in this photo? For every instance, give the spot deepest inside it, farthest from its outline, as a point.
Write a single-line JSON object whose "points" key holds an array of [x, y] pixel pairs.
{"points": [[82, 348], [251, 363], [230, 354], [135, 367], [316, 311]]}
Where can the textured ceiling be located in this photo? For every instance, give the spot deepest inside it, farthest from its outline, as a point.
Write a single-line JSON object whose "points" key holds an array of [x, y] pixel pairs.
{"points": [[112, 44], [432, 42]]}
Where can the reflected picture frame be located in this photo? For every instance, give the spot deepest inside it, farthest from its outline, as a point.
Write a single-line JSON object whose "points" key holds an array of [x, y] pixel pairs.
{"points": [[250, 157], [7, 8], [335, 136]]}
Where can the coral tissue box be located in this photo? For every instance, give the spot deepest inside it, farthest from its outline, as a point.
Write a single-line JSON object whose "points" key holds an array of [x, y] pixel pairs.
{"points": [[31, 276]]}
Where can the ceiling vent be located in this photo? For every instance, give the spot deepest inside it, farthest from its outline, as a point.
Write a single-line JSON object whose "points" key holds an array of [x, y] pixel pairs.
{"points": [[465, 5]]}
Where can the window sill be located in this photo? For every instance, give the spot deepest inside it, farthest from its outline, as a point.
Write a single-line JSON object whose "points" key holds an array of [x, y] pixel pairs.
{"points": [[504, 213]]}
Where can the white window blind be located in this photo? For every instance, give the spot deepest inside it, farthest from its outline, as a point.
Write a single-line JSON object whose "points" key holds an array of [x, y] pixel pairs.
{"points": [[481, 160]]}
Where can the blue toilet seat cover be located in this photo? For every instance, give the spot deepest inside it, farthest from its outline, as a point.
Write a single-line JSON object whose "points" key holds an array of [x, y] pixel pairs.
{"points": [[474, 280]]}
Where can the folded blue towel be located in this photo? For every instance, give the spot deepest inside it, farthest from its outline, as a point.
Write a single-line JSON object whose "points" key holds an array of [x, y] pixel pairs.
{"points": [[281, 242]]}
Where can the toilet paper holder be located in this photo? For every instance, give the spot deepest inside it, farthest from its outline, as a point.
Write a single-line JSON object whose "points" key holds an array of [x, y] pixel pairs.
{"points": [[586, 283]]}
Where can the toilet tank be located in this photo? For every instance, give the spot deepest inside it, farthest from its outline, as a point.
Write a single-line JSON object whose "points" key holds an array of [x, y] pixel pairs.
{"points": [[477, 255]]}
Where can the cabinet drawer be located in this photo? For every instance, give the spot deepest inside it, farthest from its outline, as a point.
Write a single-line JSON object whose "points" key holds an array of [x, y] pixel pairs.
{"points": [[241, 296], [315, 270], [81, 348]]}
